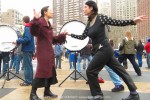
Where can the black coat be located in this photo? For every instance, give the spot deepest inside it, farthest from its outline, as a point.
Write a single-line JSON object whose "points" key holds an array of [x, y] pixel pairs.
{"points": [[140, 48]]}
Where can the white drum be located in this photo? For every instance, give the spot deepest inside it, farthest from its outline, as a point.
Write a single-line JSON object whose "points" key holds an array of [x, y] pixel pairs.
{"points": [[74, 27], [7, 36]]}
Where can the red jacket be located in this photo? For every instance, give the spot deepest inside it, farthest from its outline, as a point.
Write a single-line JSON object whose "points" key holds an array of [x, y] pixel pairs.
{"points": [[44, 49], [147, 47]]}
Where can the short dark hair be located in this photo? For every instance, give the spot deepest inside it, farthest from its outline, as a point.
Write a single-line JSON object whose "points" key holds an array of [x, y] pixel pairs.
{"points": [[43, 10], [26, 19], [92, 4]]}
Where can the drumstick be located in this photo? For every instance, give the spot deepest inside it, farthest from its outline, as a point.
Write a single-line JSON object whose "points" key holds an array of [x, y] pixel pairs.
{"points": [[6, 42]]}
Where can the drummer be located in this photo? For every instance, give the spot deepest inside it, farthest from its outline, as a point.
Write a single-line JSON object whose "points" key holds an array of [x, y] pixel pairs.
{"points": [[28, 49]]}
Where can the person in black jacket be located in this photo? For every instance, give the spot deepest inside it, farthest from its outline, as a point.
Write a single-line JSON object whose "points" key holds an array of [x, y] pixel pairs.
{"points": [[102, 50], [5, 57], [139, 53]]}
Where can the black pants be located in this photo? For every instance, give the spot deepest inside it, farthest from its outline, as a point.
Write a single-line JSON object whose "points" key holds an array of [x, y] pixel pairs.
{"points": [[125, 63], [104, 56], [131, 58]]}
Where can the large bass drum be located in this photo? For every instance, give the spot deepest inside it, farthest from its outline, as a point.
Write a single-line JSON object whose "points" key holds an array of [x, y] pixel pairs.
{"points": [[7, 36], [74, 27]]}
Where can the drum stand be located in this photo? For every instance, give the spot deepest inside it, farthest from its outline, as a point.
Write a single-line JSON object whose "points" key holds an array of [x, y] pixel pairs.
{"points": [[75, 71], [7, 77]]}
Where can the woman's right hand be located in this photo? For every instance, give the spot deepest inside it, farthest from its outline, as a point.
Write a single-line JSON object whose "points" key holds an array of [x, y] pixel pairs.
{"points": [[36, 15], [140, 19]]}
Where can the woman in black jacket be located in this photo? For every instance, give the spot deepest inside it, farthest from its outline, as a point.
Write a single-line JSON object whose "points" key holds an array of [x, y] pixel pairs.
{"points": [[102, 50]]}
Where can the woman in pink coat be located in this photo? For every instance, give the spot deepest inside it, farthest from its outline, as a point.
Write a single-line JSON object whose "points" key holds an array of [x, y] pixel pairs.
{"points": [[45, 74]]}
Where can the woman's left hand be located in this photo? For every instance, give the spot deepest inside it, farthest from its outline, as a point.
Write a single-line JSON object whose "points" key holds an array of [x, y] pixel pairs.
{"points": [[140, 19], [65, 33]]}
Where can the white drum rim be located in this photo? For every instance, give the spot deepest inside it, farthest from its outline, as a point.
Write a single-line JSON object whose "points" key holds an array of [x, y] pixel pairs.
{"points": [[12, 46], [86, 39]]}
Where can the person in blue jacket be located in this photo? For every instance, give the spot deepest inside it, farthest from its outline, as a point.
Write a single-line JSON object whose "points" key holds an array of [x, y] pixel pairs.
{"points": [[28, 49]]}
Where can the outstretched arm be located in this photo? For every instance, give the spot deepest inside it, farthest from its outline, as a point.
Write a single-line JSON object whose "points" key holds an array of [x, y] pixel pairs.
{"points": [[81, 37], [110, 21], [35, 25]]}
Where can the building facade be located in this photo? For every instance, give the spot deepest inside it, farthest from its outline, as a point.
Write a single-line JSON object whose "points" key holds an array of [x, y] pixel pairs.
{"points": [[123, 9], [65, 11], [144, 27], [11, 17], [104, 7], [0, 11]]}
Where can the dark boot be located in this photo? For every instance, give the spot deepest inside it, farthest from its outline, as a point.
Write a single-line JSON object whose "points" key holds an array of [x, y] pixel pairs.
{"points": [[132, 97], [33, 95], [48, 93], [98, 97], [118, 88]]}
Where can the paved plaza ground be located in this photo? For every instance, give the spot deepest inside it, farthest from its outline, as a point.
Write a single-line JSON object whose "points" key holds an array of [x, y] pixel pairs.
{"points": [[76, 90]]}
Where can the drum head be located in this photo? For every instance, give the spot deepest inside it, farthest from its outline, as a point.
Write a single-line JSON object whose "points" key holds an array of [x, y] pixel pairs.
{"points": [[7, 36], [74, 27]]}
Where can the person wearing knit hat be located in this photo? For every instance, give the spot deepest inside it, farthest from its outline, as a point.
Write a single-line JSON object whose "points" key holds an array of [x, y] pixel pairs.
{"points": [[147, 49], [102, 50]]}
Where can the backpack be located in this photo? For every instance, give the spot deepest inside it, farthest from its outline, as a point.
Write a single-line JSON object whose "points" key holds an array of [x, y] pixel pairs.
{"points": [[129, 46]]}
